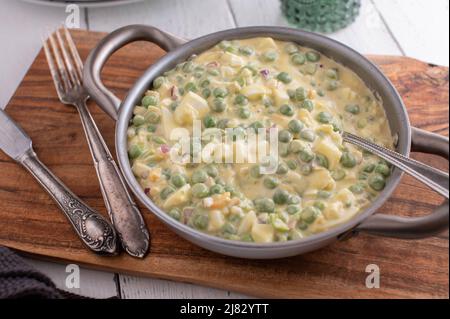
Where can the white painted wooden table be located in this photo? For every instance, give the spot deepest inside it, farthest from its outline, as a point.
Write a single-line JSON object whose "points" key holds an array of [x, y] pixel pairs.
{"points": [[415, 28]]}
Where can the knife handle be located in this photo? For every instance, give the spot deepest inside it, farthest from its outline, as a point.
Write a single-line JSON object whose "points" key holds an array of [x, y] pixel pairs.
{"points": [[92, 228], [124, 213]]}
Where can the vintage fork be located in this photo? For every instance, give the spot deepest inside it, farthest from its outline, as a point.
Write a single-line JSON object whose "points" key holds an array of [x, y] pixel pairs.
{"points": [[67, 75]]}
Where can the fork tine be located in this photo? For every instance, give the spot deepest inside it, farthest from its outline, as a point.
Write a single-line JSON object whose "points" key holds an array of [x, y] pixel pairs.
{"points": [[61, 67], [53, 70], [68, 61], [74, 51]]}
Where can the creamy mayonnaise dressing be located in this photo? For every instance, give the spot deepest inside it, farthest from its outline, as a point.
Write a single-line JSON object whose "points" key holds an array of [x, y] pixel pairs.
{"points": [[261, 83]]}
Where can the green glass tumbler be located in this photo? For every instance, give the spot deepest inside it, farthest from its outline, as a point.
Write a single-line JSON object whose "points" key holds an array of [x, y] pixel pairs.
{"points": [[324, 16]]}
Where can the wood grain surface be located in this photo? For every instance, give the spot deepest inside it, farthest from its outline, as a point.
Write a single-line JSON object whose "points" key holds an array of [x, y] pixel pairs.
{"points": [[31, 222]]}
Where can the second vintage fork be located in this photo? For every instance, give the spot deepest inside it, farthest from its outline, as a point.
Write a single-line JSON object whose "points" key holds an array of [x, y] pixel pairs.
{"points": [[67, 75]]}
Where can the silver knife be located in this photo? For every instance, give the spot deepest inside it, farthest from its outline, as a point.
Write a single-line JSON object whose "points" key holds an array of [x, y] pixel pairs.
{"points": [[92, 228]]}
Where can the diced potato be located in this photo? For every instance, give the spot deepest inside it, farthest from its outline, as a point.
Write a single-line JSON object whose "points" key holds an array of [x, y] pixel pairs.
{"points": [[298, 182], [305, 117], [345, 196], [220, 200], [141, 170], [255, 91], [232, 59], [197, 102], [181, 196], [247, 223], [333, 210], [263, 233], [216, 220], [266, 44], [281, 97], [321, 179], [330, 151], [185, 114]]}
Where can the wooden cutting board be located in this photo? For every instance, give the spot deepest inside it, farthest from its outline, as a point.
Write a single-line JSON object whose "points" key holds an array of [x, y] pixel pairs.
{"points": [[31, 223]]}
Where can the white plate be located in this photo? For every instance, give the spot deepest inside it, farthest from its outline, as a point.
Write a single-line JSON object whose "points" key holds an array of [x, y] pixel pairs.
{"points": [[82, 3]]}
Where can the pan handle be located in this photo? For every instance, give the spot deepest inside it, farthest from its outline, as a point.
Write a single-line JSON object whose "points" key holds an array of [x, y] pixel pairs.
{"points": [[414, 227], [110, 44]]}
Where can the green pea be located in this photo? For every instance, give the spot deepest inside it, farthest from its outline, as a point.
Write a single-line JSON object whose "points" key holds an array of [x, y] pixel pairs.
{"points": [[149, 100], [302, 225], [348, 160], [284, 77], [152, 117], [135, 151], [199, 176], [188, 67], [284, 136], [158, 140], [308, 105], [361, 123], [166, 192], [229, 229], [320, 205], [362, 176], [332, 85], [244, 113], [308, 135], [292, 164], [306, 169], [332, 74], [151, 128], [175, 213], [206, 93], [246, 50], [213, 72], [240, 100], [178, 180], [295, 126], [324, 117], [223, 123], [377, 182], [209, 121], [338, 175], [310, 68], [211, 170], [231, 49], [220, 92], [312, 56], [300, 94], [283, 149], [257, 125], [158, 82], [357, 188], [217, 189], [138, 120], [323, 194], [306, 155], [309, 214], [200, 190], [290, 48], [282, 169], [218, 105], [383, 170], [294, 200], [295, 146], [269, 56], [270, 182], [292, 209], [280, 197], [352, 108], [247, 238], [368, 168], [200, 221], [190, 87], [255, 171], [219, 181], [298, 58], [287, 110], [337, 126], [264, 205], [205, 83], [321, 160]]}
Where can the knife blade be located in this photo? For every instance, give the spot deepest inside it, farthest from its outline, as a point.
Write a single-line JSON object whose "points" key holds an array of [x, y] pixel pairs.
{"points": [[13, 140], [92, 228]]}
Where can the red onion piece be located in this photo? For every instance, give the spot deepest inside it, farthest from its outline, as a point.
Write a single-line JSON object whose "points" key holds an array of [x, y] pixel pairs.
{"points": [[213, 64], [147, 190], [265, 73], [165, 148]]}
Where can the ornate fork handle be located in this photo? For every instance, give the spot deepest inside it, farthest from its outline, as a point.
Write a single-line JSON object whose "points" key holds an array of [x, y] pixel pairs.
{"points": [[123, 212], [434, 178], [92, 228]]}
